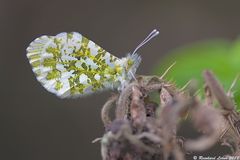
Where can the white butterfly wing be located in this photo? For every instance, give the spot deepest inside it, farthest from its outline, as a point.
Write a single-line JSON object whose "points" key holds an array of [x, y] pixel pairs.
{"points": [[70, 65]]}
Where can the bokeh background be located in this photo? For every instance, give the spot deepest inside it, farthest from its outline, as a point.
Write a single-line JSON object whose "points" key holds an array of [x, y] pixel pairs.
{"points": [[36, 125]]}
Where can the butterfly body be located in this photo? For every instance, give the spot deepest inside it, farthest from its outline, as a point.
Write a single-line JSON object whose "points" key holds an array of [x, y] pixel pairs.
{"points": [[70, 65]]}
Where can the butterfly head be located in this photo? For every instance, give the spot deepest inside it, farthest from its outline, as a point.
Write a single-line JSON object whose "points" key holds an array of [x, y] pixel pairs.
{"points": [[132, 63]]}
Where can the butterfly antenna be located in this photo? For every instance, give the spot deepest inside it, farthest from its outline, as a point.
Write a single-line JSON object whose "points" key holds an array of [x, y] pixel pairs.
{"points": [[151, 35]]}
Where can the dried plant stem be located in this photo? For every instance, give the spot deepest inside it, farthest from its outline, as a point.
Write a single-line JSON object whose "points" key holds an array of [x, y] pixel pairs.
{"points": [[106, 109], [218, 91]]}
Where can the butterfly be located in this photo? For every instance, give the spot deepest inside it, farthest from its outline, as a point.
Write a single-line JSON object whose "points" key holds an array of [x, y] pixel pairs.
{"points": [[70, 65]]}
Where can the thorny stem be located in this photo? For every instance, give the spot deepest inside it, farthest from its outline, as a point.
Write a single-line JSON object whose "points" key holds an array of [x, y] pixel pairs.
{"points": [[223, 99]]}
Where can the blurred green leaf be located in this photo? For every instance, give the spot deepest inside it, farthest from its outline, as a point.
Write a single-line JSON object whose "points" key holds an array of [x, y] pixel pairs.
{"points": [[220, 56]]}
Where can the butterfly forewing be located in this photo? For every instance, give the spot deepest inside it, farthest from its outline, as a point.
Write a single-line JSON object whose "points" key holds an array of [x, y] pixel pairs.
{"points": [[70, 65]]}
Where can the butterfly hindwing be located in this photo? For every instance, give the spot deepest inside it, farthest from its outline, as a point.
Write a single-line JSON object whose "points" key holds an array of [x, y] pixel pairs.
{"points": [[70, 65]]}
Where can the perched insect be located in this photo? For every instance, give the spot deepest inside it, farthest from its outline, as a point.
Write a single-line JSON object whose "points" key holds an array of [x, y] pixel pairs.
{"points": [[70, 65]]}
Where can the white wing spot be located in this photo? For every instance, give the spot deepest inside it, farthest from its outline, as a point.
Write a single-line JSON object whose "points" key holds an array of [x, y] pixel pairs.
{"points": [[93, 48], [83, 79], [91, 63], [60, 67], [78, 64], [97, 77]]}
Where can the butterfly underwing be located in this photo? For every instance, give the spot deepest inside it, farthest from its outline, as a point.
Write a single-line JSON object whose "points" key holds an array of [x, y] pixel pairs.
{"points": [[70, 65]]}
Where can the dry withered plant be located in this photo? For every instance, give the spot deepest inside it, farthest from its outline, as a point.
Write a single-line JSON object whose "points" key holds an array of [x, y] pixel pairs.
{"points": [[146, 130]]}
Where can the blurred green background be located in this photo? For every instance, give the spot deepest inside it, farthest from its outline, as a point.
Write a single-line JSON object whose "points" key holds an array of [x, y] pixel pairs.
{"points": [[219, 55]]}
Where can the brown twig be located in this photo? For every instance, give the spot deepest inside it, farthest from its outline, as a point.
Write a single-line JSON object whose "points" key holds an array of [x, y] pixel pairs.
{"points": [[106, 109], [218, 91]]}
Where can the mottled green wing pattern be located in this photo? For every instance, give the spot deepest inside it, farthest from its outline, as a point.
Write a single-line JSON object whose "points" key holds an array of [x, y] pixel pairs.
{"points": [[70, 65]]}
